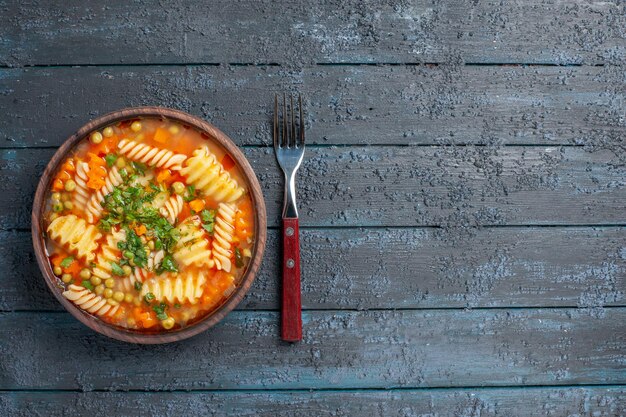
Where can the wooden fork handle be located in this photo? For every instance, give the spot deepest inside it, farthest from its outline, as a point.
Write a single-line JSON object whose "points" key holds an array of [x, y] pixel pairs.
{"points": [[291, 317]]}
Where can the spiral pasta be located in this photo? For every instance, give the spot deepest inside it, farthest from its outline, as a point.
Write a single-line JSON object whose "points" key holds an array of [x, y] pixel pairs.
{"points": [[179, 288], [151, 156], [94, 207], [89, 301], [192, 247], [81, 194], [172, 208], [207, 174], [108, 254], [75, 235], [223, 236]]}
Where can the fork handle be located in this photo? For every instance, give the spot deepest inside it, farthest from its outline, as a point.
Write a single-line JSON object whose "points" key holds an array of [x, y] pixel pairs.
{"points": [[291, 307]]}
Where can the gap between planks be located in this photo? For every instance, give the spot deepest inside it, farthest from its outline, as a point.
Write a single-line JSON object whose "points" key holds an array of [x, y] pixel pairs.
{"points": [[390, 309], [321, 64], [253, 390]]}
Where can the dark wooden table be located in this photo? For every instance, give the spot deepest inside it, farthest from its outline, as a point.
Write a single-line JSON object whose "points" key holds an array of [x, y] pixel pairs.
{"points": [[462, 204]]}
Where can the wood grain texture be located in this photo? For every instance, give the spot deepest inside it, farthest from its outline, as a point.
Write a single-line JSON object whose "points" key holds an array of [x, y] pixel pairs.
{"points": [[340, 349], [447, 104], [405, 268], [531, 402], [451, 187], [71, 32]]}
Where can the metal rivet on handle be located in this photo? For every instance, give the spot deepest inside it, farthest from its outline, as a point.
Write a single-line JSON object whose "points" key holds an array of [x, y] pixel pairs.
{"points": [[289, 231], [290, 263]]}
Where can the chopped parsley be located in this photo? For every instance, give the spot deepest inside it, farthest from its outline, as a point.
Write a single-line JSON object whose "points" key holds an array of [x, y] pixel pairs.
{"points": [[65, 263], [148, 297], [208, 220], [117, 269], [129, 207], [138, 285], [139, 167], [159, 309], [167, 264], [238, 258], [190, 194], [110, 159], [87, 284]]}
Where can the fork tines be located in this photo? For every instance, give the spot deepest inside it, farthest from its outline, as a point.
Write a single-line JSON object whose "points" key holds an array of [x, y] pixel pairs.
{"points": [[285, 132]]}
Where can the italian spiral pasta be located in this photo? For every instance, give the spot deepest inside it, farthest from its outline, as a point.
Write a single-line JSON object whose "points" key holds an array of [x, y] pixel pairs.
{"points": [[176, 289], [223, 236], [90, 302], [82, 193], [208, 175], [75, 235], [109, 253], [94, 206], [172, 208], [150, 155], [192, 248], [147, 228]]}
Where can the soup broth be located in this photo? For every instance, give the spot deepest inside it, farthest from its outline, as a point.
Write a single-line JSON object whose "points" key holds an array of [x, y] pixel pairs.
{"points": [[149, 225]]}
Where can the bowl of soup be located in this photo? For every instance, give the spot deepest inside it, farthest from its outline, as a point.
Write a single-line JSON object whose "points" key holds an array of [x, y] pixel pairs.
{"points": [[149, 225]]}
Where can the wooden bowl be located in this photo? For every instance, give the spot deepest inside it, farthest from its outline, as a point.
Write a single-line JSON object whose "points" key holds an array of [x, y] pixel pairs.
{"points": [[129, 335]]}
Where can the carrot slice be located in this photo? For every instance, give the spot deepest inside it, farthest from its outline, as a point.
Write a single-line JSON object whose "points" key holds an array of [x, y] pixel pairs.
{"points": [[197, 205], [161, 135]]}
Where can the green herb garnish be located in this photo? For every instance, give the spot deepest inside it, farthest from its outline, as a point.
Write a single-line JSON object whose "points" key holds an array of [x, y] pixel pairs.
{"points": [[159, 309], [117, 270], [65, 263], [148, 297], [138, 285], [190, 194], [87, 284], [139, 167], [208, 220], [238, 258], [177, 305], [110, 159], [167, 264]]}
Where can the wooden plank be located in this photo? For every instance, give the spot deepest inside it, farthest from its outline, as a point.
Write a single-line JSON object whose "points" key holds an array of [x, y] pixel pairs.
{"points": [[71, 32], [451, 187], [345, 104], [376, 349], [405, 268], [531, 402]]}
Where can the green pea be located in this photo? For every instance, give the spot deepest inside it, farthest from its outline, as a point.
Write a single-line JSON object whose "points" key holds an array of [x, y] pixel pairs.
{"points": [[57, 207], [68, 205], [96, 137], [135, 126], [85, 273], [129, 255], [108, 293], [118, 296], [127, 270], [56, 196], [178, 187], [66, 278], [109, 283], [96, 280], [57, 271], [99, 289], [70, 185], [107, 132]]}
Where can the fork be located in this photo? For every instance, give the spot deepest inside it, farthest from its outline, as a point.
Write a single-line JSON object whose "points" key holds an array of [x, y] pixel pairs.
{"points": [[289, 150]]}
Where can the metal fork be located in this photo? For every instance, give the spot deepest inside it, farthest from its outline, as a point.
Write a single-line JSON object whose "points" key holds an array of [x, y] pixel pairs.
{"points": [[289, 149]]}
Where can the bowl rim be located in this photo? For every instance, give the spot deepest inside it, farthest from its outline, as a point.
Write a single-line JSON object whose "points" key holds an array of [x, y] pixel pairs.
{"points": [[256, 194]]}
